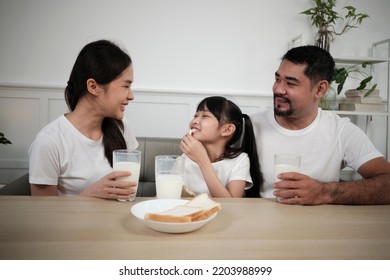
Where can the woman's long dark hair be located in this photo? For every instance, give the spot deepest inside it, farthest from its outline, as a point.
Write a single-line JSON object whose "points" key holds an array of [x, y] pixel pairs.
{"points": [[243, 139], [102, 61]]}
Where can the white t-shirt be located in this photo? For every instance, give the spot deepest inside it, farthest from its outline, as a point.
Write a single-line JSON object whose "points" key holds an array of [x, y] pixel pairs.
{"points": [[326, 146], [227, 170], [61, 155]]}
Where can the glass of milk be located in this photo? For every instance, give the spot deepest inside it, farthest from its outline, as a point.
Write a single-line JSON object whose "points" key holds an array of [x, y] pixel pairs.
{"points": [[286, 163], [128, 160], [169, 171]]}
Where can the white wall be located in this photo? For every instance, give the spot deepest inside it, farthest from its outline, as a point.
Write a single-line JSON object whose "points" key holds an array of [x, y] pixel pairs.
{"points": [[191, 45], [182, 51]]}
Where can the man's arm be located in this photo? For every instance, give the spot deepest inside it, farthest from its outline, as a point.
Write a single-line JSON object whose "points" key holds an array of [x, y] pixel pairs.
{"points": [[373, 189], [296, 188]]}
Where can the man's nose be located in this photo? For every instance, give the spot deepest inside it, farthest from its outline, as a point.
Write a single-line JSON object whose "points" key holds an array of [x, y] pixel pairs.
{"points": [[280, 89]]}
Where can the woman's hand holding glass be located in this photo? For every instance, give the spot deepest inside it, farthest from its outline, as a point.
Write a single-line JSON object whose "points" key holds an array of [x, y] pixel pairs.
{"points": [[110, 188]]}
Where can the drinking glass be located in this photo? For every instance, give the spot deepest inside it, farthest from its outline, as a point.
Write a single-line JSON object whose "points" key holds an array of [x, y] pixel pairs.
{"points": [[169, 171], [128, 160], [286, 163]]}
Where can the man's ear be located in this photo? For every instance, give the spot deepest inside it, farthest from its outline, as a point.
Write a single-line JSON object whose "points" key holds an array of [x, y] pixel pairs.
{"points": [[322, 88], [228, 129], [92, 87]]}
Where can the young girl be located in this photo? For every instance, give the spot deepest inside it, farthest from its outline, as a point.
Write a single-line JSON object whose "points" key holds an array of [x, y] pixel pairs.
{"points": [[72, 155], [215, 162]]}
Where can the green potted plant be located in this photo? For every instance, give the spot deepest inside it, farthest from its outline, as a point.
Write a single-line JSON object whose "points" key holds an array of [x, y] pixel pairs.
{"points": [[329, 102], [4, 140], [341, 74], [325, 18]]}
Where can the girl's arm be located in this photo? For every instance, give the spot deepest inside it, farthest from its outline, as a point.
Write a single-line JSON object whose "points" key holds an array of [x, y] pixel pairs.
{"points": [[197, 153], [217, 189]]}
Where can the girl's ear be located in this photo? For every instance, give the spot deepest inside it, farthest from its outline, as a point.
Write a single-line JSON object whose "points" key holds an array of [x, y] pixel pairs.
{"points": [[92, 87], [228, 129]]}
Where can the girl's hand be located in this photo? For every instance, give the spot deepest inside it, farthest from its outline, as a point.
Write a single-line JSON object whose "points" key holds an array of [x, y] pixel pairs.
{"points": [[194, 149], [110, 188]]}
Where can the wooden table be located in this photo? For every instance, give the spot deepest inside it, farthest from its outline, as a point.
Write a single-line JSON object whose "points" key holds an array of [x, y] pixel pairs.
{"points": [[75, 228]]}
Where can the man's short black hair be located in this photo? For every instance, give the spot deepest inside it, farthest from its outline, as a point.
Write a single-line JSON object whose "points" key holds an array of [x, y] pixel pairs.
{"points": [[319, 63]]}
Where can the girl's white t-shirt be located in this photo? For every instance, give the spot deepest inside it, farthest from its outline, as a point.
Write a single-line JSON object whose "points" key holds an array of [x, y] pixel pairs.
{"points": [[227, 170], [61, 155]]}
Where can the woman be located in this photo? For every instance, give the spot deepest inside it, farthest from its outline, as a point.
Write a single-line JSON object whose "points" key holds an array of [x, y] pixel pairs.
{"points": [[72, 155], [217, 161]]}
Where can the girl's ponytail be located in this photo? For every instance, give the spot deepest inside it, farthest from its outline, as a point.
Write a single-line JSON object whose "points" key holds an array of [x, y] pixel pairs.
{"points": [[249, 146]]}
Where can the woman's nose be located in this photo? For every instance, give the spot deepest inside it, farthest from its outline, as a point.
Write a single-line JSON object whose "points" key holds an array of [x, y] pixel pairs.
{"points": [[130, 96]]}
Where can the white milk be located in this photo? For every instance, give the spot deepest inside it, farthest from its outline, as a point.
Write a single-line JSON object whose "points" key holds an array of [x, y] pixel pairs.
{"points": [[134, 168], [169, 186], [282, 168]]}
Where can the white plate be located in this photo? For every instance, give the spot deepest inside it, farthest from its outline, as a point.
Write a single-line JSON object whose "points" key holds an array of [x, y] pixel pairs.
{"points": [[158, 205]]}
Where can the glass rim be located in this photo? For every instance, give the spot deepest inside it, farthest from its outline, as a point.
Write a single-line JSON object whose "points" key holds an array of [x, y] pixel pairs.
{"points": [[288, 155], [127, 151], [168, 156]]}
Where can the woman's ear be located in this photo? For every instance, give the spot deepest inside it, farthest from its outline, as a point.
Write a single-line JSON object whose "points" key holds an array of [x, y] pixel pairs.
{"points": [[92, 87], [228, 129]]}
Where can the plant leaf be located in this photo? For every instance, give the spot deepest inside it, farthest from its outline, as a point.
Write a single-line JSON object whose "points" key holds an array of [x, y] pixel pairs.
{"points": [[4, 140], [370, 90], [364, 83]]}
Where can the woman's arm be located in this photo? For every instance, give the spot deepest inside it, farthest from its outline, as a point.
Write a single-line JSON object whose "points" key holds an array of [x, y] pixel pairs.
{"points": [[44, 190]]}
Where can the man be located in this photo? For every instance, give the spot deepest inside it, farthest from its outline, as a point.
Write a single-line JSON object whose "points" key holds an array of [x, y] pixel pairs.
{"points": [[326, 142]]}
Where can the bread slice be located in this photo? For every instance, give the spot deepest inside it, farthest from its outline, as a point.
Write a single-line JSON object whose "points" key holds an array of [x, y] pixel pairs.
{"points": [[186, 192], [208, 205], [179, 214], [199, 208]]}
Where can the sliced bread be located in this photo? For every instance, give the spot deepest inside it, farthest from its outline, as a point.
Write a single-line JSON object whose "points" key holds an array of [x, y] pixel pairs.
{"points": [[199, 208], [179, 214], [208, 205]]}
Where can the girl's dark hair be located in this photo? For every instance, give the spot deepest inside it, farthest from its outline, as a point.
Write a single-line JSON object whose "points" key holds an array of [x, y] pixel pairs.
{"points": [[102, 61], [243, 139]]}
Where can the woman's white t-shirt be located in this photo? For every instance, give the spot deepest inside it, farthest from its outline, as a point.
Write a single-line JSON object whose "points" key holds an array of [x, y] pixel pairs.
{"points": [[61, 155], [227, 170]]}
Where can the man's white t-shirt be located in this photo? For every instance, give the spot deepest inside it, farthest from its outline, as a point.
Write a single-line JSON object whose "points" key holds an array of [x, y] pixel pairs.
{"points": [[61, 155], [227, 170], [326, 146]]}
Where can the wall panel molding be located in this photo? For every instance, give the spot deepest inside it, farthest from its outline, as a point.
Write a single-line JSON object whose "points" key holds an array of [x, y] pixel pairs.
{"points": [[25, 109]]}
